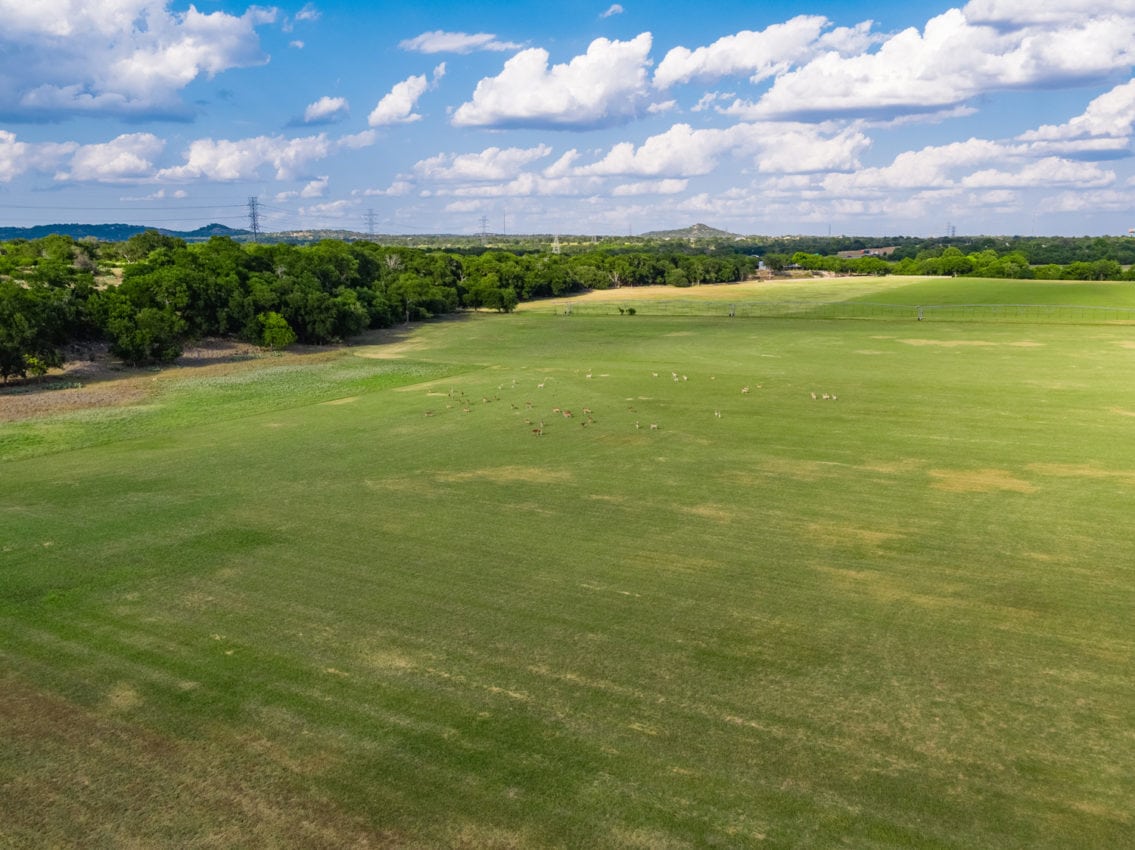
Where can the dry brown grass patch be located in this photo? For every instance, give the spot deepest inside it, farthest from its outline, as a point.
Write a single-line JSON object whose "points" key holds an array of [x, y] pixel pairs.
{"points": [[509, 475], [87, 778], [391, 350], [1083, 470], [834, 532], [979, 481], [798, 470], [949, 343], [716, 513]]}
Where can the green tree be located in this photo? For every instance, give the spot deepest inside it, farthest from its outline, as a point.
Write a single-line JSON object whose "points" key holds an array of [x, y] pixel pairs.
{"points": [[275, 332]]}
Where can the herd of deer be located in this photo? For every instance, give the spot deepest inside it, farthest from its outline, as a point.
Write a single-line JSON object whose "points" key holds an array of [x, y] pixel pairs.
{"points": [[538, 427]]}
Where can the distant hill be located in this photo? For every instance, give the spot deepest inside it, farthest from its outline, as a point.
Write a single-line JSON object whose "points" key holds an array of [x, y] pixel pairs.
{"points": [[695, 231], [114, 232]]}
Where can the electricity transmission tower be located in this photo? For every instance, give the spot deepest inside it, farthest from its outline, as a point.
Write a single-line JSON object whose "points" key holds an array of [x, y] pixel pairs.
{"points": [[370, 222], [254, 217]]}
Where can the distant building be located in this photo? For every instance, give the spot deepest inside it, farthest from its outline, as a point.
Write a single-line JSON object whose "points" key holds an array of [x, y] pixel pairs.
{"points": [[867, 252]]}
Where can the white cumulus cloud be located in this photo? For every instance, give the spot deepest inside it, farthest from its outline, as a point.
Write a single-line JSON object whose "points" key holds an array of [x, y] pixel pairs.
{"points": [[397, 106], [125, 57], [760, 54], [126, 158], [1104, 126], [227, 160], [605, 86], [326, 110], [440, 41], [490, 164], [949, 62], [1028, 12]]}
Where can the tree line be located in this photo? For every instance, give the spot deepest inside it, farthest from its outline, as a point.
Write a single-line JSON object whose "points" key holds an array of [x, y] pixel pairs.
{"points": [[951, 261], [148, 296]]}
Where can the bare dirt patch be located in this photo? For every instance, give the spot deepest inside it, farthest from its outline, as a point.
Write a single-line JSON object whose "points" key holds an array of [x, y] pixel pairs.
{"points": [[1126, 343], [1121, 411], [93, 379], [979, 481]]}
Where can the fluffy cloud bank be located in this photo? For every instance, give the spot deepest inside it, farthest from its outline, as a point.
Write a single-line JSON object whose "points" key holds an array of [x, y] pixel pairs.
{"points": [[605, 86], [126, 57]]}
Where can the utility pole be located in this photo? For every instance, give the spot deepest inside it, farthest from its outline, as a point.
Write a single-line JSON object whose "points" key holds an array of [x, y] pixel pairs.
{"points": [[254, 217]]}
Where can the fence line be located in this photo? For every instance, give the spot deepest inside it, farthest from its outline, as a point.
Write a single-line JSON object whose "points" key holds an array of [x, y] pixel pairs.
{"points": [[1021, 313]]}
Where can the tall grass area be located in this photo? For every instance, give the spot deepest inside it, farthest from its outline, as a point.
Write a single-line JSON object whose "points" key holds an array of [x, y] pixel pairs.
{"points": [[382, 611]]}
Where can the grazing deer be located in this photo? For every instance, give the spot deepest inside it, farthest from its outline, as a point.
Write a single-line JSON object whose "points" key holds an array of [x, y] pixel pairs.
{"points": [[655, 374], [717, 414], [567, 414], [744, 390], [587, 411], [825, 396], [813, 396], [636, 425], [653, 426], [539, 432]]}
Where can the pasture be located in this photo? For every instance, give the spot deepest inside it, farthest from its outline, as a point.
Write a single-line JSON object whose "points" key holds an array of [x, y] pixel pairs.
{"points": [[392, 596]]}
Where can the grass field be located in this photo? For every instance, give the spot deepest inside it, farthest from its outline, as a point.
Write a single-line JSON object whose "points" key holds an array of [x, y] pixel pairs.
{"points": [[354, 600]]}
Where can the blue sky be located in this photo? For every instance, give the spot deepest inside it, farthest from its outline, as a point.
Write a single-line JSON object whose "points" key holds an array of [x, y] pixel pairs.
{"points": [[991, 116]]}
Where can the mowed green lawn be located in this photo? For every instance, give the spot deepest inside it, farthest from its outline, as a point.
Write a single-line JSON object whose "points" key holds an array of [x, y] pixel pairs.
{"points": [[938, 290], [381, 611]]}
